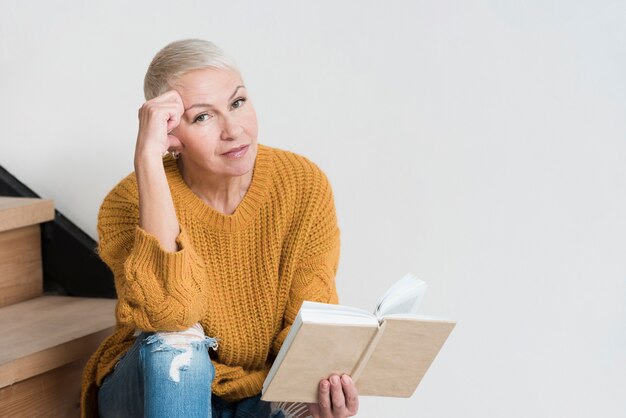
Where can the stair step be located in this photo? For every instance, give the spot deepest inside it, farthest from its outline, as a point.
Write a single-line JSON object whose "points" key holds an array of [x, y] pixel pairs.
{"points": [[17, 212], [48, 332]]}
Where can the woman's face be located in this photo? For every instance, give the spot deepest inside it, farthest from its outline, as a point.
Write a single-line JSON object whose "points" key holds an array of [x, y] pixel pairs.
{"points": [[218, 117]]}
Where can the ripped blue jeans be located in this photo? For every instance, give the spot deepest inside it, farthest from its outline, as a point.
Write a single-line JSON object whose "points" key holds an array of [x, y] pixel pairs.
{"points": [[169, 374]]}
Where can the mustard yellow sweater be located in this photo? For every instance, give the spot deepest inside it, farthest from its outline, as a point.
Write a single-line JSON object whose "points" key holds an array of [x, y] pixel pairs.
{"points": [[242, 276]]}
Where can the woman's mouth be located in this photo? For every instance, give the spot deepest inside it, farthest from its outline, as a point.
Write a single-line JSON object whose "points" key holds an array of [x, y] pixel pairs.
{"points": [[237, 152]]}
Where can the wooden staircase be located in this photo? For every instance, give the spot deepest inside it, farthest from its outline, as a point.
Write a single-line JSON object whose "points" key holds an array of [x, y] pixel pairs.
{"points": [[45, 341]]}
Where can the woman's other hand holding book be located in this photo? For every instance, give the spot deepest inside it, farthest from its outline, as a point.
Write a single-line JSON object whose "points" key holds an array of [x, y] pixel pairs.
{"points": [[337, 398]]}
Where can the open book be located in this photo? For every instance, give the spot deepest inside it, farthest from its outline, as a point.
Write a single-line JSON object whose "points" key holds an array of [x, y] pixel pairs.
{"points": [[386, 353]]}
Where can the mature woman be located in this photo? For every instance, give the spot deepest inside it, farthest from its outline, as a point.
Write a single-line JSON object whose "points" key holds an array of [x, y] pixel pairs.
{"points": [[214, 242]]}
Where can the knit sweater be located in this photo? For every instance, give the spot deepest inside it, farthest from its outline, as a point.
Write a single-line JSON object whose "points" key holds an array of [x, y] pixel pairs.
{"points": [[242, 276]]}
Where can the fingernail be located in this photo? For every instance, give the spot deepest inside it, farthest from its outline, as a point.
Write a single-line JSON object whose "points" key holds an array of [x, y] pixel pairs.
{"points": [[325, 384], [335, 379], [346, 379]]}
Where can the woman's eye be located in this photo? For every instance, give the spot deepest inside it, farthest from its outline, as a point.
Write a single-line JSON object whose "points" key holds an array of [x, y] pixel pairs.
{"points": [[201, 118], [238, 103]]}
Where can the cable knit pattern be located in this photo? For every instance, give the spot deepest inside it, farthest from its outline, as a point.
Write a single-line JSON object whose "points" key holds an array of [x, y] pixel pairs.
{"points": [[242, 276]]}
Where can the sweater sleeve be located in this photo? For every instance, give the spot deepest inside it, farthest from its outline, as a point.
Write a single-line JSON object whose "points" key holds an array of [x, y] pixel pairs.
{"points": [[157, 290], [314, 276]]}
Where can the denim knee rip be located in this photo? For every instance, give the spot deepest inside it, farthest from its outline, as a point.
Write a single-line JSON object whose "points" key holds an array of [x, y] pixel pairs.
{"points": [[182, 343]]}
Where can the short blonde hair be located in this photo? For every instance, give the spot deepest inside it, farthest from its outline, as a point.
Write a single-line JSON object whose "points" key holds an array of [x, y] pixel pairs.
{"points": [[179, 57]]}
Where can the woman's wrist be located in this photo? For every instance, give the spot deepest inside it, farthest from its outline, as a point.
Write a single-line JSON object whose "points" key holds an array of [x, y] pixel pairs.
{"points": [[148, 158]]}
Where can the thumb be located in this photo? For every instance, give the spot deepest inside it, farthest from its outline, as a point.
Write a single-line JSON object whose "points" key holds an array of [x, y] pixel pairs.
{"points": [[173, 143]]}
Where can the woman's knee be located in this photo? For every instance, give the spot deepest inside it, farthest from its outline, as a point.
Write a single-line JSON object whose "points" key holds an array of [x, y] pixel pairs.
{"points": [[177, 354]]}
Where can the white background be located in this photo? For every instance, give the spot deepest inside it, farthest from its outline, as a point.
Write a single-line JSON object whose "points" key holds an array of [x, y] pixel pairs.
{"points": [[478, 144]]}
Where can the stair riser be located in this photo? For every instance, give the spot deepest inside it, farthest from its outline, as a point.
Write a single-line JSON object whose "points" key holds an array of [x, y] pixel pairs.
{"points": [[21, 276], [52, 394]]}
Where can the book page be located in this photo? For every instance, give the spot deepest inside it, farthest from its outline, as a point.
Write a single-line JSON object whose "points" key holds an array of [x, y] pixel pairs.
{"points": [[403, 297], [326, 313]]}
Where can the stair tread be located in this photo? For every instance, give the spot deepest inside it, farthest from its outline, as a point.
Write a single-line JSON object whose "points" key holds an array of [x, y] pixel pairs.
{"points": [[49, 331], [16, 212]]}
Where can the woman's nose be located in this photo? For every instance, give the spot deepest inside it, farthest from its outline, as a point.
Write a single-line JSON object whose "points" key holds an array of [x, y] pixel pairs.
{"points": [[231, 129]]}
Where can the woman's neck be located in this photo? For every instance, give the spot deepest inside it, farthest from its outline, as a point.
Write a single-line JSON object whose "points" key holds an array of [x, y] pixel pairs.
{"points": [[222, 194]]}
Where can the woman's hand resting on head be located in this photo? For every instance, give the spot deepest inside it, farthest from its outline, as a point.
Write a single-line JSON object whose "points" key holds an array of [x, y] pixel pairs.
{"points": [[337, 398], [157, 118]]}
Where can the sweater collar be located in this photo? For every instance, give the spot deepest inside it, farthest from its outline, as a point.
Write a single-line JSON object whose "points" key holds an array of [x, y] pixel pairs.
{"points": [[187, 201]]}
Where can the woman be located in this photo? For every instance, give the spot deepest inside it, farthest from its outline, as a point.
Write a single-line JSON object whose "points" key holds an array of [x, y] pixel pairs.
{"points": [[214, 242]]}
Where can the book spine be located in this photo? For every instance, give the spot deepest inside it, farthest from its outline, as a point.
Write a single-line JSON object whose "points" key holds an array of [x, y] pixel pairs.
{"points": [[365, 357]]}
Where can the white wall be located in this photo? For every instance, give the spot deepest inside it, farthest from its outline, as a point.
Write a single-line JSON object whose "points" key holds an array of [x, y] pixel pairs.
{"points": [[478, 144]]}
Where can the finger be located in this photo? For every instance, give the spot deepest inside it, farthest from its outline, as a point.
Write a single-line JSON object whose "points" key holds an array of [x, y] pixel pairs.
{"points": [[168, 96], [168, 113], [173, 120], [323, 399], [173, 143], [351, 394], [174, 97], [336, 393], [160, 111], [172, 114], [179, 102]]}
